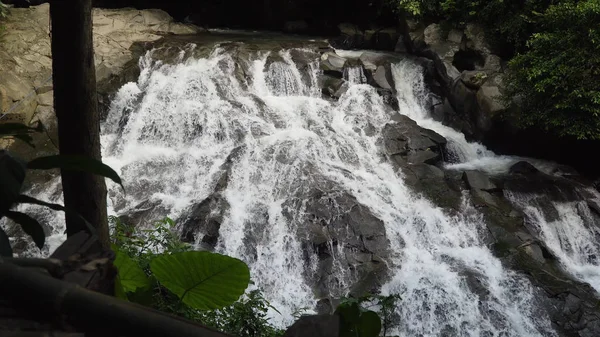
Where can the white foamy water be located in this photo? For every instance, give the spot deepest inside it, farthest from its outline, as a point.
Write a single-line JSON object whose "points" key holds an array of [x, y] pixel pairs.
{"points": [[572, 234], [471, 155], [168, 135]]}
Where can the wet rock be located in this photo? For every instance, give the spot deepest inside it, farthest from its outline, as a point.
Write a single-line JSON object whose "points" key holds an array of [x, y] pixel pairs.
{"points": [[351, 37], [204, 220], [455, 36], [477, 180], [492, 64], [333, 64], [372, 60], [335, 227], [473, 79], [406, 142], [523, 167], [331, 86], [314, 326], [594, 205], [144, 214], [490, 106], [383, 77]]}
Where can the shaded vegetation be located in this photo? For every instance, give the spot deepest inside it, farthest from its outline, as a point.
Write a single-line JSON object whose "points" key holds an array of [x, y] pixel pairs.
{"points": [[553, 47], [557, 80]]}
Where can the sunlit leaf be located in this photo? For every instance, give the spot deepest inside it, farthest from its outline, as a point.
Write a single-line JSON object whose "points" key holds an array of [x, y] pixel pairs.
{"points": [[131, 276], [203, 280]]}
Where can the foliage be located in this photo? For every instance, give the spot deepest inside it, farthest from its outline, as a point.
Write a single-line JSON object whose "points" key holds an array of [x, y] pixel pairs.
{"points": [[358, 320], [247, 317], [12, 176], [3, 10], [160, 247], [556, 81], [202, 280], [507, 23]]}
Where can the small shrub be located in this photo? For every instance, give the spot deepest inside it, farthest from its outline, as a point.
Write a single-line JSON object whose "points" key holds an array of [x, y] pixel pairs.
{"points": [[145, 248]]}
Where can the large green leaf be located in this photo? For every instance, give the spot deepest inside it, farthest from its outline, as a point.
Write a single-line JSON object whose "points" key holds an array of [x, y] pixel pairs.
{"points": [[119, 291], [203, 280], [12, 174], [29, 225], [5, 249], [357, 323], [131, 276], [369, 324], [75, 163]]}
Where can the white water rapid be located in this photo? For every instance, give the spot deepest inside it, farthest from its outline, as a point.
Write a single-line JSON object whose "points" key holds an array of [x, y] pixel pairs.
{"points": [[169, 134], [571, 234]]}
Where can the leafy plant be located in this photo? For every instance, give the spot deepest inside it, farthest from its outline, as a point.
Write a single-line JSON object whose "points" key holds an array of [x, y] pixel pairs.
{"points": [[3, 10], [383, 306], [202, 280], [556, 80], [355, 321], [245, 318], [12, 176]]}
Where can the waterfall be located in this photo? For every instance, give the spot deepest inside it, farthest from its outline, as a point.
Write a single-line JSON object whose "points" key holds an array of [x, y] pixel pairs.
{"points": [[569, 232], [170, 133], [355, 75]]}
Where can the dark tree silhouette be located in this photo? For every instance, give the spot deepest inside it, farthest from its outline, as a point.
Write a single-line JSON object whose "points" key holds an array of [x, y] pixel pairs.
{"points": [[75, 103]]}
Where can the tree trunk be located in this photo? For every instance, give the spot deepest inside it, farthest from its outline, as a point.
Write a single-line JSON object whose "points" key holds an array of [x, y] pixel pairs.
{"points": [[75, 103]]}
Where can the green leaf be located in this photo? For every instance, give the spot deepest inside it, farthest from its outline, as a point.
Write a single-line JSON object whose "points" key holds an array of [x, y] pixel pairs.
{"points": [[5, 249], [131, 276], [119, 291], [369, 324], [75, 163], [12, 174], [30, 226], [202, 280]]}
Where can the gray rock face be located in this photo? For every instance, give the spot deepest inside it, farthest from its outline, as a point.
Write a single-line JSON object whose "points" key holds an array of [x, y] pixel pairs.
{"points": [[315, 326], [335, 227], [25, 58], [332, 62], [405, 141], [477, 180], [383, 77], [473, 79]]}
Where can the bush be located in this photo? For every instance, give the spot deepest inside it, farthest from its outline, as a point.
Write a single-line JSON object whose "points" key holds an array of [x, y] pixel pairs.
{"points": [[3, 10], [245, 318], [557, 80], [507, 23]]}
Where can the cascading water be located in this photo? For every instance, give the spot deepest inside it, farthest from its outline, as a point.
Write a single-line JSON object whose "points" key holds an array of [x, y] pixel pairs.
{"points": [[571, 234], [169, 134]]}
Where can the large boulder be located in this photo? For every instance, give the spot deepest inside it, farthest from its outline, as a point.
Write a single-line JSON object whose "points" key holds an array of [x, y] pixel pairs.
{"points": [[344, 236], [407, 143], [333, 64]]}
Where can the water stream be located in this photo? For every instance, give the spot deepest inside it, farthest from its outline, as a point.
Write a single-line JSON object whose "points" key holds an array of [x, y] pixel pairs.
{"points": [[169, 133]]}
